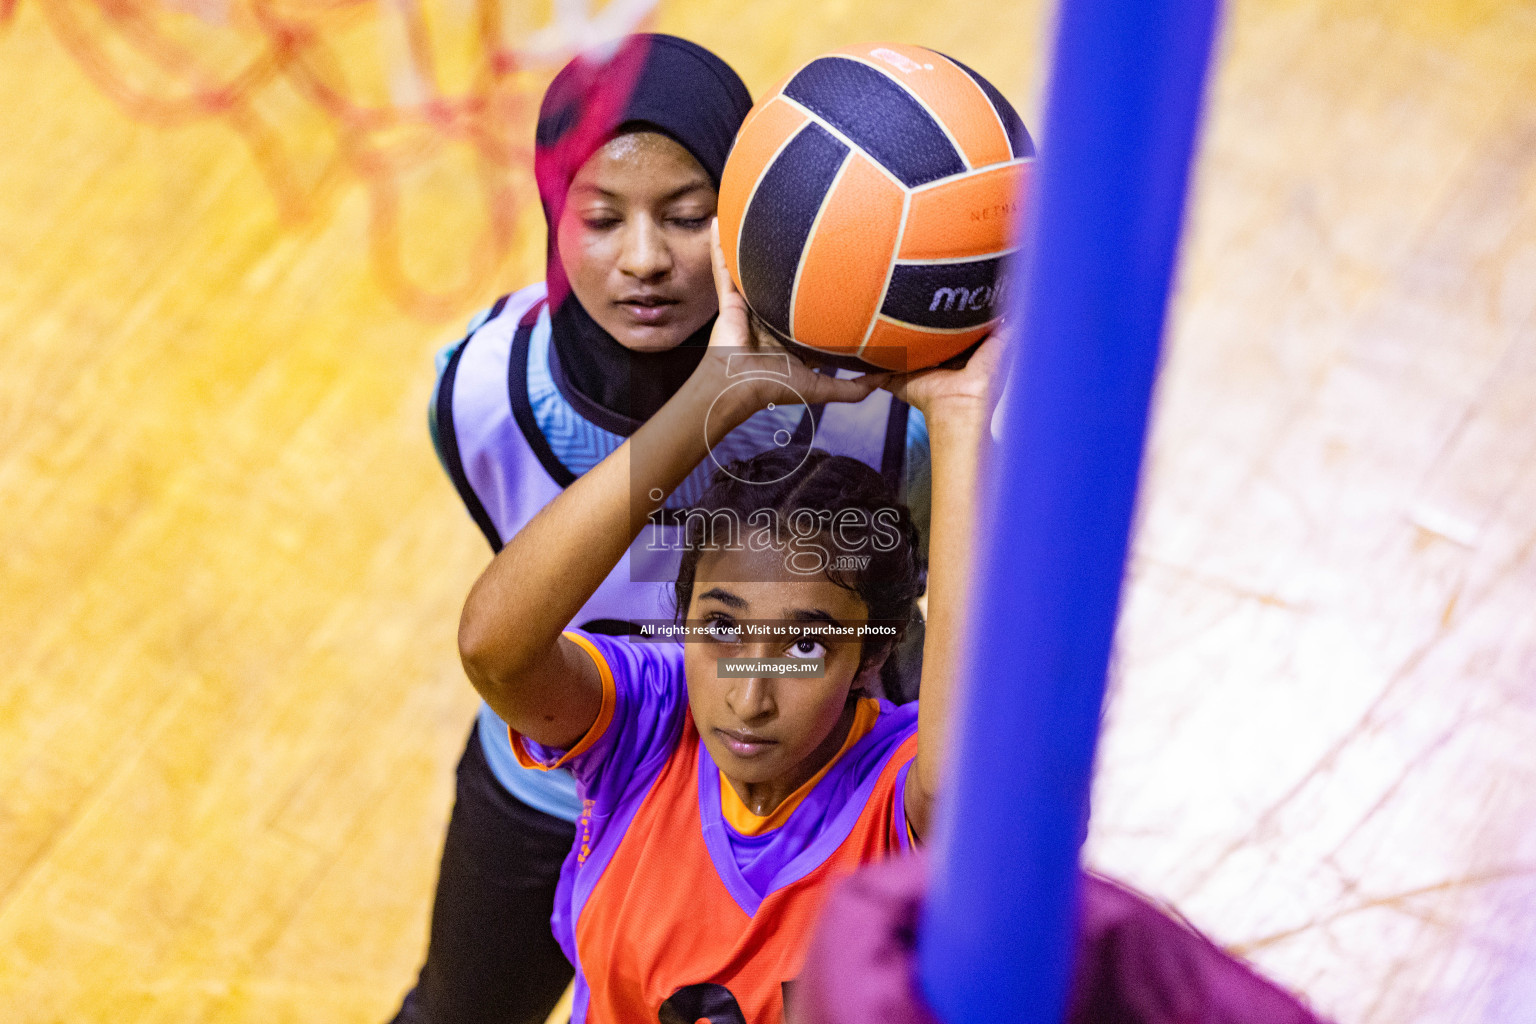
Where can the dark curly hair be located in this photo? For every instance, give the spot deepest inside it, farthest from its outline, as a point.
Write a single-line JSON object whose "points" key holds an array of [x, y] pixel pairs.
{"points": [[785, 481]]}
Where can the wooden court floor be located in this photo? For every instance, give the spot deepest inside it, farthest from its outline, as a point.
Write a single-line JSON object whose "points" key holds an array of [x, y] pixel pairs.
{"points": [[230, 703]]}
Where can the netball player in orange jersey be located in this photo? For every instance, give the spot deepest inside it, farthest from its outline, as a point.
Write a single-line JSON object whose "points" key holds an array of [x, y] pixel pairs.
{"points": [[630, 146], [718, 810]]}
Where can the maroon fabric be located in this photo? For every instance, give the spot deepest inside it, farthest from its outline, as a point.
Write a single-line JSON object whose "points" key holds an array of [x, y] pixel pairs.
{"points": [[1136, 964], [861, 967]]}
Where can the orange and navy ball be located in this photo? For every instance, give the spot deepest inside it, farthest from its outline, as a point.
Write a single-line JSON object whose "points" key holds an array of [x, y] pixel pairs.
{"points": [[868, 207]]}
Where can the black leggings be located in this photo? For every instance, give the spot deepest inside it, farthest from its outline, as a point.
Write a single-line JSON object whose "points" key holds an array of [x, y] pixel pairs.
{"points": [[491, 957]]}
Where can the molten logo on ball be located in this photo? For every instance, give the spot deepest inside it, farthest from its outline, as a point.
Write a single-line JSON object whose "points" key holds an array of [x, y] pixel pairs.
{"points": [[983, 297]]}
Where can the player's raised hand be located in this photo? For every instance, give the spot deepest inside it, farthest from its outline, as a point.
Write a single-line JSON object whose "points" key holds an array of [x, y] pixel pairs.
{"points": [[733, 329], [976, 384], [778, 375]]}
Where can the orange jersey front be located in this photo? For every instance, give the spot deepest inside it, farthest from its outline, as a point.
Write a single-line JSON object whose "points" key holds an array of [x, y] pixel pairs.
{"points": [[669, 912]]}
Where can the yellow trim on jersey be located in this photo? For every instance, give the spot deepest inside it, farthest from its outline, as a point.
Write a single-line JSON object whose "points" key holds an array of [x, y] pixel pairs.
{"points": [[598, 727], [743, 820]]}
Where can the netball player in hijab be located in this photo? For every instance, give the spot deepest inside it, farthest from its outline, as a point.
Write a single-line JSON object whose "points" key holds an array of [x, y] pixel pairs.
{"points": [[548, 382]]}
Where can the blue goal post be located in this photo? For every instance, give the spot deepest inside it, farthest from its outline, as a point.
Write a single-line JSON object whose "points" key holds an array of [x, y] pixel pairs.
{"points": [[1123, 109]]}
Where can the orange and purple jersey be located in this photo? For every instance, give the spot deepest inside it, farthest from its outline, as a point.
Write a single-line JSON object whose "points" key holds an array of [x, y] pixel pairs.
{"points": [[677, 903]]}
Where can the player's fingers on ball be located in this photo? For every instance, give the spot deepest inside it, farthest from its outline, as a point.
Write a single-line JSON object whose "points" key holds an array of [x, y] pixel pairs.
{"points": [[994, 344], [730, 330], [725, 288], [989, 357]]}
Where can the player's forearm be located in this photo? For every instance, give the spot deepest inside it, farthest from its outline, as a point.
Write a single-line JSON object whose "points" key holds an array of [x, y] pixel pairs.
{"points": [[956, 436], [510, 628]]}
